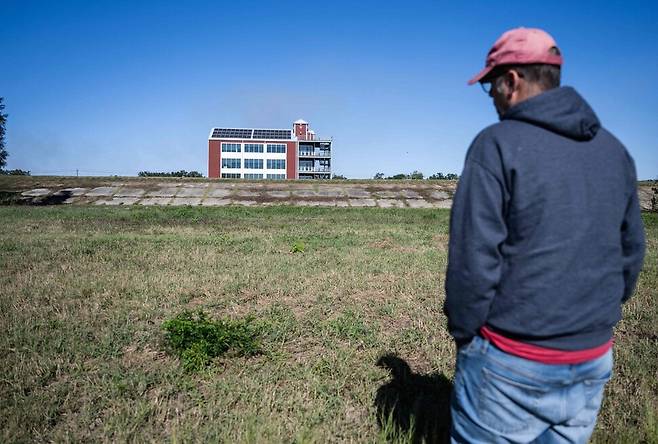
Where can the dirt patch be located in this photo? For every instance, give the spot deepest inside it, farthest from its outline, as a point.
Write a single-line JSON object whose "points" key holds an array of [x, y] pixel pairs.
{"points": [[142, 357]]}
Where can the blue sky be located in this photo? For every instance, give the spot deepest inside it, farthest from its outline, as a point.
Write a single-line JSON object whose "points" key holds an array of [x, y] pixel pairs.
{"points": [[118, 87]]}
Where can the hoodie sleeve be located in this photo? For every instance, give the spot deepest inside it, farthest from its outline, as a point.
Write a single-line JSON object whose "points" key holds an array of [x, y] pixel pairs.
{"points": [[632, 238], [477, 230]]}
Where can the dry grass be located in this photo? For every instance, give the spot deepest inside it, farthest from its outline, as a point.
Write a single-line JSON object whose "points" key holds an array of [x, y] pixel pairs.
{"points": [[85, 291]]}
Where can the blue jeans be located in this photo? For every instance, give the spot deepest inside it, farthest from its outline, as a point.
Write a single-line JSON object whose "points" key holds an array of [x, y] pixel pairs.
{"points": [[500, 398]]}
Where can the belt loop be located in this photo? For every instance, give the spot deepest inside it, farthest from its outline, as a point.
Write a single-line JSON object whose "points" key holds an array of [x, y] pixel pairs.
{"points": [[484, 346]]}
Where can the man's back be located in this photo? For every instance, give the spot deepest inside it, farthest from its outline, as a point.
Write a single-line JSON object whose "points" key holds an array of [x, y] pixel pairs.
{"points": [[566, 185]]}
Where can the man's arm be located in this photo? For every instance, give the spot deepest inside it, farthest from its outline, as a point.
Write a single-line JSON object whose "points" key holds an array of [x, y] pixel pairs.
{"points": [[477, 229], [632, 239]]}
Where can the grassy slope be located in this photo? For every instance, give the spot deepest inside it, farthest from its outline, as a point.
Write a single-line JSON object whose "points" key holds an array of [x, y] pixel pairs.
{"points": [[85, 290]]}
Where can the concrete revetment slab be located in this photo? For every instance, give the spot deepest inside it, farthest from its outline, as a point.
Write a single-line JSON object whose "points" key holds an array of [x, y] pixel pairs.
{"points": [[102, 191], [218, 192], [155, 201], [313, 203], [357, 193], [409, 194], [214, 202], [362, 202], [191, 192], [130, 192], [163, 192], [386, 194], [185, 201], [37, 192], [390, 203], [330, 193], [279, 194], [247, 193], [440, 195], [305, 193], [246, 203]]}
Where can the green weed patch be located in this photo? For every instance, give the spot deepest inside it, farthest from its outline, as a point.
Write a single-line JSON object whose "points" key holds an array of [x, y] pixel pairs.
{"points": [[297, 247], [197, 339]]}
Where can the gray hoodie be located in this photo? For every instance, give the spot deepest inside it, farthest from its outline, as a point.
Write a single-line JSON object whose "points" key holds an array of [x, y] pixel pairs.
{"points": [[546, 239]]}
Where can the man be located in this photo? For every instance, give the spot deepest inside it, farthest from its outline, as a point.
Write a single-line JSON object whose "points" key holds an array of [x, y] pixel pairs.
{"points": [[546, 243]]}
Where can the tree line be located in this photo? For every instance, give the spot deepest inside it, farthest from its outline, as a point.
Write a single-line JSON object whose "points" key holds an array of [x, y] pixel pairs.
{"points": [[416, 175], [181, 173]]}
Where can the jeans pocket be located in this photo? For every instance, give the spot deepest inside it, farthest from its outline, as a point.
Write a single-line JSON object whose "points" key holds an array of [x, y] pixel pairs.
{"points": [[591, 397], [513, 380], [508, 403], [594, 388]]}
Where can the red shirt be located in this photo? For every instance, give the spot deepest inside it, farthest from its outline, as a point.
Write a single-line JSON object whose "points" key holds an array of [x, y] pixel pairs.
{"points": [[542, 354]]}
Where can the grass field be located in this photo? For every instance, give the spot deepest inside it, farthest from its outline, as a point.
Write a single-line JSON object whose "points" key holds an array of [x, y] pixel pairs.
{"points": [[85, 291]]}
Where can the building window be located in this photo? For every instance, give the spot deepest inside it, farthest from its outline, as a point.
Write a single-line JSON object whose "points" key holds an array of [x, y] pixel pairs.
{"points": [[276, 148], [230, 175], [230, 147], [306, 150], [231, 163], [256, 164], [253, 148], [253, 176], [276, 164], [276, 176]]}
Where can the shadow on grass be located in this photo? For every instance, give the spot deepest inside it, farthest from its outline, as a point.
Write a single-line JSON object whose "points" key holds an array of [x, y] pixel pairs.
{"points": [[413, 405]]}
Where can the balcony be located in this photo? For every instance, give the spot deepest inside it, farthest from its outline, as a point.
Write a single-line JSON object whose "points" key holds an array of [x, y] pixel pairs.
{"points": [[315, 154], [305, 169]]}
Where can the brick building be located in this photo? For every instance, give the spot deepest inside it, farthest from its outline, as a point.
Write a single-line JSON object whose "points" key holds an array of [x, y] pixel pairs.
{"points": [[255, 153]]}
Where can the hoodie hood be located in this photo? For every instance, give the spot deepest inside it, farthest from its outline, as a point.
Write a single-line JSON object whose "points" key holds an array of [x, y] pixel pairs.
{"points": [[560, 110]]}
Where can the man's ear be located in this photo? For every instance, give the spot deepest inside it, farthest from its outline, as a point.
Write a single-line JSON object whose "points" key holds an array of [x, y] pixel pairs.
{"points": [[512, 79]]}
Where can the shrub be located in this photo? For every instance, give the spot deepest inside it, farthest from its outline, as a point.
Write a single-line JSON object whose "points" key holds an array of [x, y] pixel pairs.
{"points": [[197, 339]]}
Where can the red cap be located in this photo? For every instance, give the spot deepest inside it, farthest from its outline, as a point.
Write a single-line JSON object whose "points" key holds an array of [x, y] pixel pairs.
{"points": [[521, 46]]}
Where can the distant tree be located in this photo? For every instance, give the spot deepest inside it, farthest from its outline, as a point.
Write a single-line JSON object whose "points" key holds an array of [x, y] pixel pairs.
{"points": [[398, 177], [3, 121], [416, 175], [378, 176], [339, 177]]}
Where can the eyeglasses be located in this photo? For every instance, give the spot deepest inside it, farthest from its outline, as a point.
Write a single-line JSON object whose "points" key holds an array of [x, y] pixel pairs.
{"points": [[489, 84]]}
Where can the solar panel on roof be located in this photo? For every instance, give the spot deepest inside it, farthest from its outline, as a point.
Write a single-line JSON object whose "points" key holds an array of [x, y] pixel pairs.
{"points": [[272, 134], [232, 133], [243, 133]]}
